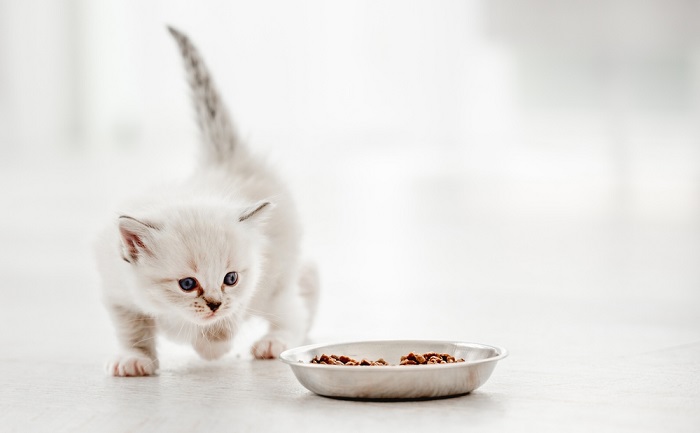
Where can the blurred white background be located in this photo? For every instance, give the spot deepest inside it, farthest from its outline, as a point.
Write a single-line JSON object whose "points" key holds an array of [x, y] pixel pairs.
{"points": [[536, 162], [602, 92], [496, 80]]}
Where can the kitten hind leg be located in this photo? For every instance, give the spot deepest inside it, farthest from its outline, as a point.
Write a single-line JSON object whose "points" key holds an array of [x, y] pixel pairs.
{"points": [[291, 316], [136, 335], [309, 290]]}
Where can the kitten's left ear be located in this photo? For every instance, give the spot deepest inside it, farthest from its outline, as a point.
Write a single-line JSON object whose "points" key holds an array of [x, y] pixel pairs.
{"points": [[136, 237], [254, 210]]}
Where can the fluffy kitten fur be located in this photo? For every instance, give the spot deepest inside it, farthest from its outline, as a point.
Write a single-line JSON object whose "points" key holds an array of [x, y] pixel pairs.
{"points": [[232, 215]]}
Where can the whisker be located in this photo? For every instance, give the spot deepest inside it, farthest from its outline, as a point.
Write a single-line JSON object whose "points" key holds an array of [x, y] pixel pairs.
{"points": [[143, 341], [182, 324]]}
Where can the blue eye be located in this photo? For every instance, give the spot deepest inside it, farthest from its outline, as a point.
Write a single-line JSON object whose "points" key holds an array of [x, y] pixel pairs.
{"points": [[188, 284], [231, 278]]}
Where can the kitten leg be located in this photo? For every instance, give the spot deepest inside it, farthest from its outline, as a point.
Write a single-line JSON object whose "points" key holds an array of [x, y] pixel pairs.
{"points": [[136, 336], [211, 350], [309, 289], [291, 316], [214, 341]]}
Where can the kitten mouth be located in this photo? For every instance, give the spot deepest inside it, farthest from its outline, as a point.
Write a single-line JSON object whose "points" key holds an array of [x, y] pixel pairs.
{"points": [[214, 315], [205, 320]]}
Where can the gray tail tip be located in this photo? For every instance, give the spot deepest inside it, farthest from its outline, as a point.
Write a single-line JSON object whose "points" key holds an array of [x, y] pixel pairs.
{"points": [[175, 32]]}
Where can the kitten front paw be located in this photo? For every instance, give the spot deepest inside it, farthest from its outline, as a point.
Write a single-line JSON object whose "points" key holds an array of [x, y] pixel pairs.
{"points": [[211, 350], [268, 348], [132, 365]]}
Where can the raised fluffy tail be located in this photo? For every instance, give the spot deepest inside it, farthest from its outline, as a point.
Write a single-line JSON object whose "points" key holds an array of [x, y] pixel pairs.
{"points": [[213, 118]]}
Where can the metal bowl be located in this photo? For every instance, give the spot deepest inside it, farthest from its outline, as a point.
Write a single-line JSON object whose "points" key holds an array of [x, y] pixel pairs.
{"points": [[394, 381]]}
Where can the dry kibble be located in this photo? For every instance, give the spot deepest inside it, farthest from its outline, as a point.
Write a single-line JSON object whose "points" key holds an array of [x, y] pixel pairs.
{"points": [[344, 360], [412, 358]]}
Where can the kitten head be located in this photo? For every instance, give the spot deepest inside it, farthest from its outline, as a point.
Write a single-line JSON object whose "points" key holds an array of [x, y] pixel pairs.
{"points": [[202, 263]]}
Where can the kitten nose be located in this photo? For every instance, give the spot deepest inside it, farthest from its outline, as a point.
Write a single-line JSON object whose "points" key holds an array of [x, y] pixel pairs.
{"points": [[213, 306]]}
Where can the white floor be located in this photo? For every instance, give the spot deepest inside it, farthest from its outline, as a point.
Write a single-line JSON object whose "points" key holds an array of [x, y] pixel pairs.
{"points": [[591, 282]]}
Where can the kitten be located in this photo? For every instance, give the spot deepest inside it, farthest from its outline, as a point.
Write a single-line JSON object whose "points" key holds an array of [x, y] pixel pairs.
{"points": [[195, 260]]}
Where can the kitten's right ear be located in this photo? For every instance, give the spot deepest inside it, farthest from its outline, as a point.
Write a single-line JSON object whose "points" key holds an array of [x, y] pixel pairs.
{"points": [[135, 236]]}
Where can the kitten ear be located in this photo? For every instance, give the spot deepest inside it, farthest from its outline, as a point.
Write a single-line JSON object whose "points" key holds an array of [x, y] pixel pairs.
{"points": [[253, 210], [135, 236]]}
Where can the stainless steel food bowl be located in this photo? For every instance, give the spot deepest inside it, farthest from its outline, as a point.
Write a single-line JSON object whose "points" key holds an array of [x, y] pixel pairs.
{"points": [[394, 381]]}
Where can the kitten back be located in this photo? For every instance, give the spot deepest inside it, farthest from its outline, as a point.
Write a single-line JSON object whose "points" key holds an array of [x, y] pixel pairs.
{"points": [[216, 128]]}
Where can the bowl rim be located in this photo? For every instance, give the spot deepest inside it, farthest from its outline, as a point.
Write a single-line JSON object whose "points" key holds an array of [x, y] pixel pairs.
{"points": [[285, 356]]}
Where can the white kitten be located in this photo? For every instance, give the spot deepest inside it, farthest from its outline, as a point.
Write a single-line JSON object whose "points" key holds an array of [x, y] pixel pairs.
{"points": [[195, 260]]}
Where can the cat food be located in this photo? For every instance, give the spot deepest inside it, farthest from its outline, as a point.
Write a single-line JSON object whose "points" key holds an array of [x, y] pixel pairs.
{"points": [[429, 358], [410, 359], [344, 360]]}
